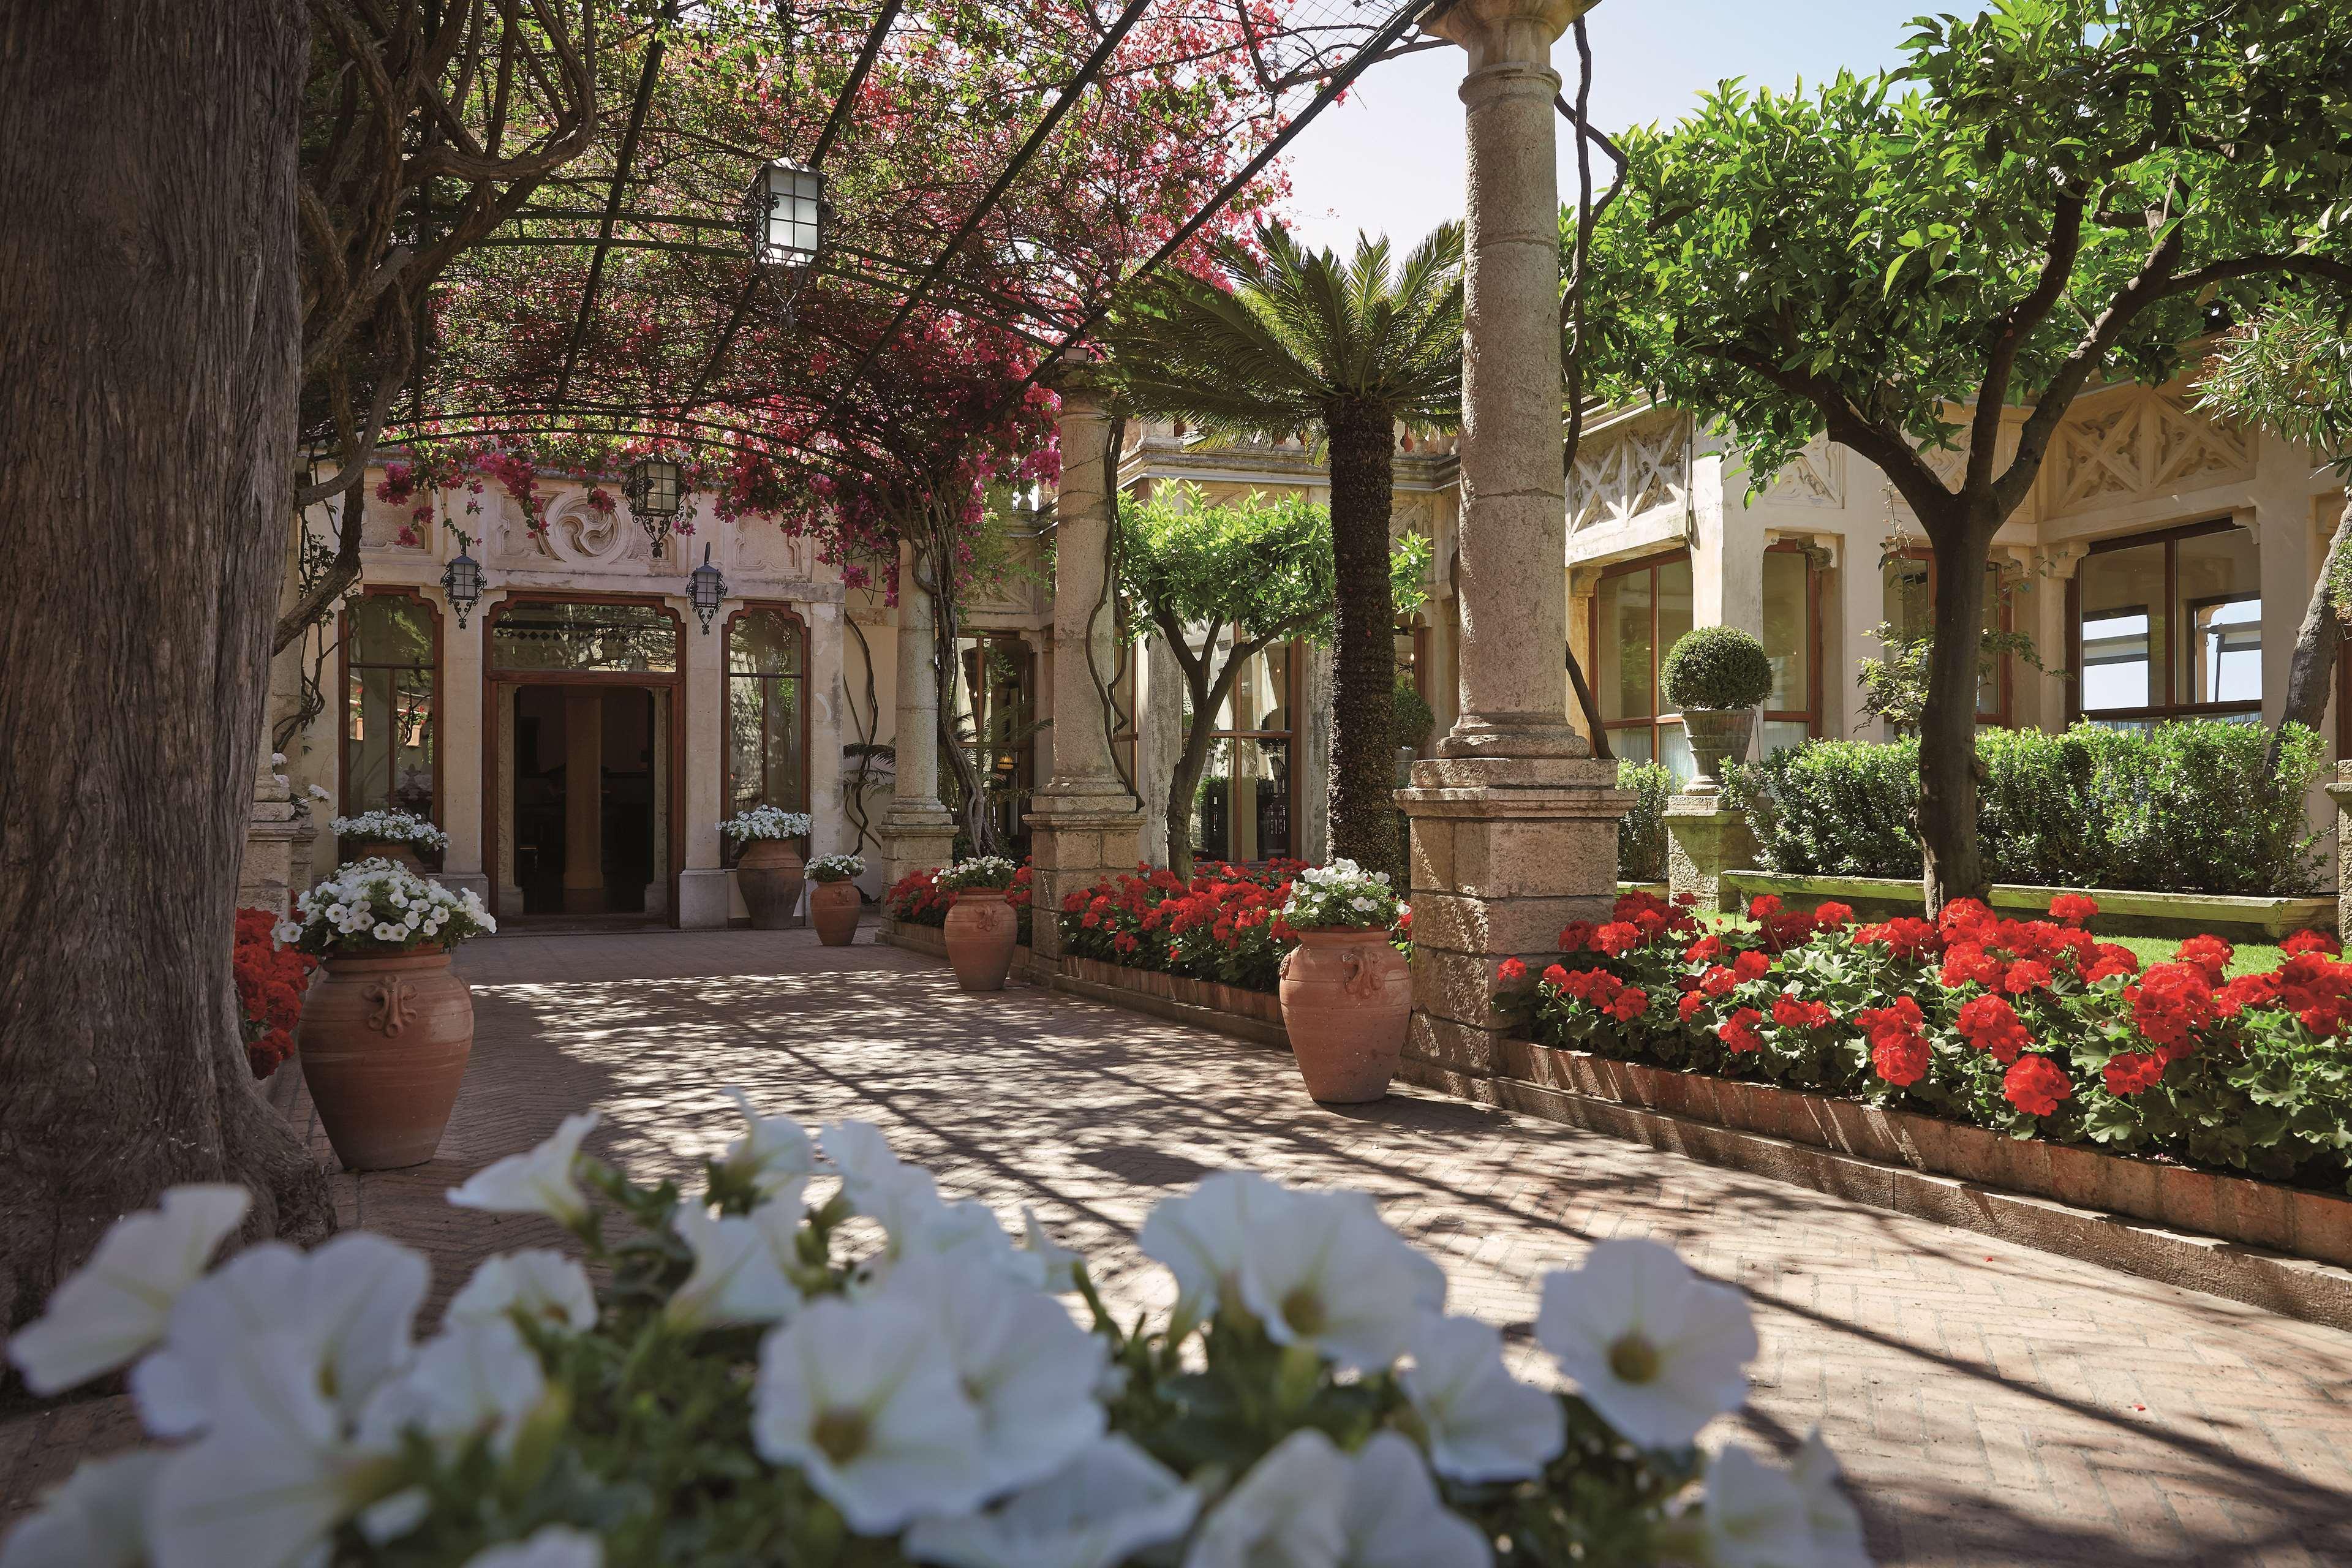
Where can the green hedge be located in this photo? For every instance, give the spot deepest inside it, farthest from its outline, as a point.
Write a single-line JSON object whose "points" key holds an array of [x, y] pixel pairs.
{"points": [[1641, 835], [2186, 808]]}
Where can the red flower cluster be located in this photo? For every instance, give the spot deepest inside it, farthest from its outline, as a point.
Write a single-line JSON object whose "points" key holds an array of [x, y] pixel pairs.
{"points": [[270, 980], [1989, 1024], [915, 900], [1224, 924], [1898, 1049], [2035, 1086]]}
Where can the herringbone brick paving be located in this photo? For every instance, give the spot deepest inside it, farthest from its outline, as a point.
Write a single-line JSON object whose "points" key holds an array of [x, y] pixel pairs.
{"points": [[1992, 1404]]}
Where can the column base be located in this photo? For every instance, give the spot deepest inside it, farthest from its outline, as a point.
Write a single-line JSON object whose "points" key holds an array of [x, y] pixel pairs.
{"points": [[1080, 834], [1505, 852], [918, 835], [706, 898], [1704, 840], [1476, 737], [276, 858]]}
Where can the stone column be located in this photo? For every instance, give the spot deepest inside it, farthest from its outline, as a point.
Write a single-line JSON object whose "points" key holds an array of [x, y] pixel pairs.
{"points": [[919, 833], [1514, 822], [1084, 824], [277, 835], [707, 899], [2340, 793], [461, 735], [583, 800]]}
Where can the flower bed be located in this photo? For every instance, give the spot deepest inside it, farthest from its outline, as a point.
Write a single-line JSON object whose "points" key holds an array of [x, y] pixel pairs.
{"points": [[917, 898], [2031, 1029], [1225, 925], [270, 978]]}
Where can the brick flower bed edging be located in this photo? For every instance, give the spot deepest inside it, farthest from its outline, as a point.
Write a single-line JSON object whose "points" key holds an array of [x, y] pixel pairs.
{"points": [[1253, 1016], [932, 940], [2281, 1249]]}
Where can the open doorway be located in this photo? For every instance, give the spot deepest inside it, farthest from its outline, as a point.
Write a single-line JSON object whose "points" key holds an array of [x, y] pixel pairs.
{"points": [[587, 800]]}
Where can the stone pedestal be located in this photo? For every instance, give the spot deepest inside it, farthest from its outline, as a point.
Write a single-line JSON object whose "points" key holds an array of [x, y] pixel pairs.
{"points": [[1703, 840], [2340, 792], [278, 837], [1505, 851], [1085, 825], [919, 832]]}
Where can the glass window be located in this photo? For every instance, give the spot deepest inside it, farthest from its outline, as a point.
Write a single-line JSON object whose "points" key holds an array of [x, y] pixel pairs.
{"points": [[628, 638], [767, 759], [1908, 582], [1792, 632], [1639, 609], [1244, 809], [392, 644], [994, 714], [2171, 625]]}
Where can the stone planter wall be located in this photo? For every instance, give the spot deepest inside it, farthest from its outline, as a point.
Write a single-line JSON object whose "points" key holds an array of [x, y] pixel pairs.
{"points": [[1253, 1016], [930, 940], [2121, 909]]}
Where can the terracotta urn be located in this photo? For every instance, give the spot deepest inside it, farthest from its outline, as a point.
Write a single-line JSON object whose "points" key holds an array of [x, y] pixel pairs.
{"points": [[383, 1044], [833, 908], [1346, 996], [981, 932], [399, 854], [770, 875]]}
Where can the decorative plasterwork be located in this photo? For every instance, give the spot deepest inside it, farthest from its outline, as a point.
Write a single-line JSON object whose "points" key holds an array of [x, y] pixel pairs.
{"points": [[582, 538], [1815, 476], [1637, 468], [2139, 444]]}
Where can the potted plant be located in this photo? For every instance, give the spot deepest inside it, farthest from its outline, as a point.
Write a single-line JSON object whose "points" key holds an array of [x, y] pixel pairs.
{"points": [[835, 902], [770, 870], [1347, 991], [386, 1029], [981, 928], [395, 835], [1715, 677]]}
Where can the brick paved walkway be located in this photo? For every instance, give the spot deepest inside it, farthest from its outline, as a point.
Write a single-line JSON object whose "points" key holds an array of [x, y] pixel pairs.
{"points": [[1993, 1405]]}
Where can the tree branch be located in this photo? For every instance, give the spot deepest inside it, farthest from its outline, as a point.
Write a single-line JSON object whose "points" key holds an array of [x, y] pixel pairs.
{"points": [[2011, 330]]}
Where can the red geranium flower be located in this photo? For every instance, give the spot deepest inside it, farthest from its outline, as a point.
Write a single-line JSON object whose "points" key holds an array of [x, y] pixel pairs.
{"points": [[2132, 1071], [1737, 1032], [2073, 908], [1630, 1004], [1792, 1012], [2210, 954], [1899, 1057], [1511, 971], [1752, 965], [2304, 942], [2035, 1086], [1990, 1024], [1832, 915]]}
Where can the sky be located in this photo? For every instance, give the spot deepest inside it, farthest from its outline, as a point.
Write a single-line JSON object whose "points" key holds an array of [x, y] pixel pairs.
{"points": [[1390, 158]]}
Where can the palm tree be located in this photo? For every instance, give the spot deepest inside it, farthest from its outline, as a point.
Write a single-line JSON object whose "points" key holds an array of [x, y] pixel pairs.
{"points": [[1290, 340]]}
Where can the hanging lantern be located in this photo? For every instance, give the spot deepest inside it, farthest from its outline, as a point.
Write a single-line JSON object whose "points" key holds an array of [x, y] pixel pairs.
{"points": [[655, 489], [704, 586], [784, 212], [461, 582]]}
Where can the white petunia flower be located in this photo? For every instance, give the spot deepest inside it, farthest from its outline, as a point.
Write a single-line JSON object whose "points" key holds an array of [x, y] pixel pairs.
{"points": [[873, 1179], [272, 1478], [863, 1399], [737, 1277], [543, 1285], [1656, 1350], [774, 1151], [964, 1234], [1323, 1270], [1199, 1237], [385, 933], [317, 793], [1753, 1516], [1110, 1502], [277, 759], [118, 1304], [1482, 1424], [539, 1182], [1836, 1527], [553, 1546], [1058, 1264], [287, 933], [1287, 1513], [1394, 1518], [97, 1518], [1030, 1369], [477, 1378]]}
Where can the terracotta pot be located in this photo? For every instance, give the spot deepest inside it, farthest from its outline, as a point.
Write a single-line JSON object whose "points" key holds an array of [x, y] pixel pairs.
{"points": [[981, 932], [398, 854], [1346, 996], [383, 1043], [1715, 737], [770, 875], [833, 908]]}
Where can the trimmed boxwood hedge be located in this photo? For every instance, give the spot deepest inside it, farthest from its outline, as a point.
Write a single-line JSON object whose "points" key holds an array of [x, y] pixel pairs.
{"points": [[2186, 808]]}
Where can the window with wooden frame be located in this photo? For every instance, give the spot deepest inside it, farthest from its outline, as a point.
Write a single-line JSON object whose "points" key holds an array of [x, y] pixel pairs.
{"points": [[1792, 641], [765, 713], [390, 659], [1908, 582], [1247, 808], [2169, 625], [1639, 609]]}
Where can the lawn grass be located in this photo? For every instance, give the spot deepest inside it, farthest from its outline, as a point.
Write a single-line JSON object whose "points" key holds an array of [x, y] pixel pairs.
{"points": [[2249, 958]]}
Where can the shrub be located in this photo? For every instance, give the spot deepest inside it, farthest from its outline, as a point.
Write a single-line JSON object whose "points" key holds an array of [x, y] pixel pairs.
{"points": [[2034, 1028], [1414, 718], [1719, 669], [1641, 833], [2186, 808]]}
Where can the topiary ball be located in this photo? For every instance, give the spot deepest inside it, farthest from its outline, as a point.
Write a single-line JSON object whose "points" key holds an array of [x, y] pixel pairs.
{"points": [[1717, 669]]}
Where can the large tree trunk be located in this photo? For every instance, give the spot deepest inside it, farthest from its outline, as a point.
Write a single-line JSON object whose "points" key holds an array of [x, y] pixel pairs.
{"points": [[2316, 642], [1363, 709], [149, 341], [1951, 865]]}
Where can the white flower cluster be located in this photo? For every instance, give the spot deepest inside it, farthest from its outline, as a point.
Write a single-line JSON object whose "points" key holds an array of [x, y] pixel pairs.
{"points": [[389, 827], [978, 871], [368, 906], [934, 1391], [1342, 896], [765, 822], [837, 868]]}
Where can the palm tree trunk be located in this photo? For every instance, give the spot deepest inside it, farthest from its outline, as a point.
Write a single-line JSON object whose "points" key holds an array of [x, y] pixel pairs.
{"points": [[1363, 707]]}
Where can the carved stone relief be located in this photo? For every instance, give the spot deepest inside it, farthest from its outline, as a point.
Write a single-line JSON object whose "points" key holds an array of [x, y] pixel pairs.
{"points": [[2146, 442], [1628, 471]]}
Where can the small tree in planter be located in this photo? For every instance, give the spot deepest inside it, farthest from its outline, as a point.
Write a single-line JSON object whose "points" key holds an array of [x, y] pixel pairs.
{"points": [[387, 1030], [1714, 676], [769, 871], [834, 905], [1347, 991], [981, 929]]}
